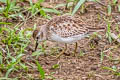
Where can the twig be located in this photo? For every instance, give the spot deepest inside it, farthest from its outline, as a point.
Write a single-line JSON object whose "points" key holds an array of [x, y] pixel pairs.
{"points": [[101, 3], [97, 75]]}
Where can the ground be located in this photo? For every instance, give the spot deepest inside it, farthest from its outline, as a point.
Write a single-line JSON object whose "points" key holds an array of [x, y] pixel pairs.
{"points": [[93, 58]]}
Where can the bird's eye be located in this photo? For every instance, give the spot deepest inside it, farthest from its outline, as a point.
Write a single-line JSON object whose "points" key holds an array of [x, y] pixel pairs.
{"points": [[37, 37]]}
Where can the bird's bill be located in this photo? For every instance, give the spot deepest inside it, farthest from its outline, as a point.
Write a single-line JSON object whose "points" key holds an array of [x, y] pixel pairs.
{"points": [[36, 45]]}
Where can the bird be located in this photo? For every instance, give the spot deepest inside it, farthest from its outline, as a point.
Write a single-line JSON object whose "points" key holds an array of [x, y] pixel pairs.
{"points": [[65, 29]]}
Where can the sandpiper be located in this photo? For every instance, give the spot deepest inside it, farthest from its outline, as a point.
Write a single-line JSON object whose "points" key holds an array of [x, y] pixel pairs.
{"points": [[65, 29]]}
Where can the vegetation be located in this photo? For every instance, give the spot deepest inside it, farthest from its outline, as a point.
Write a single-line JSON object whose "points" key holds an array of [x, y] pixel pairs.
{"points": [[18, 62]]}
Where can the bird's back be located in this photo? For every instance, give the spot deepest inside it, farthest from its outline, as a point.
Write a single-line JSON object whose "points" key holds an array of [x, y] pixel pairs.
{"points": [[68, 29], [67, 26]]}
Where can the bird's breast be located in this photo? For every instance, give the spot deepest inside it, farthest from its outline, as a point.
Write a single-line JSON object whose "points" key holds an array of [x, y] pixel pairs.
{"points": [[55, 37]]}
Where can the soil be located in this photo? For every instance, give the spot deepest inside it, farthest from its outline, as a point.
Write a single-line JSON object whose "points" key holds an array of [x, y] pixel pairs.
{"points": [[87, 64]]}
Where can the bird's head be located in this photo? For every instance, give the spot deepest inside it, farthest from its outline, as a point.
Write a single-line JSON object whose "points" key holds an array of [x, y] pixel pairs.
{"points": [[39, 35]]}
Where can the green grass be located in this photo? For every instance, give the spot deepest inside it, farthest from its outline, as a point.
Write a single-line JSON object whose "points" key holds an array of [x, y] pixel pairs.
{"points": [[80, 2], [41, 70], [113, 70], [15, 40], [11, 10], [108, 32], [111, 5], [36, 8]]}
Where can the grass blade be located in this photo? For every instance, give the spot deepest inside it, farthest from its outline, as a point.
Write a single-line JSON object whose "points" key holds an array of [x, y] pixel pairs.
{"points": [[5, 23], [1, 58], [51, 10], [41, 70], [102, 56], [119, 8], [78, 6], [60, 5], [109, 10], [108, 68], [8, 72]]}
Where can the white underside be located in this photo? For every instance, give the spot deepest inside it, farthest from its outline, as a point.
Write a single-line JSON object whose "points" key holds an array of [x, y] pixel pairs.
{"points": [[72, 39]]}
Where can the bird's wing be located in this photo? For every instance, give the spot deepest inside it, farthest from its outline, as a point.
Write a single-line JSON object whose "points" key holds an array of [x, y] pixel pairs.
{"points": [[67, 26]]}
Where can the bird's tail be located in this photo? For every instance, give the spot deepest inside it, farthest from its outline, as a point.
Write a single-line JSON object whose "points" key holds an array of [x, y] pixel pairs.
{"points": [[91, 30]]}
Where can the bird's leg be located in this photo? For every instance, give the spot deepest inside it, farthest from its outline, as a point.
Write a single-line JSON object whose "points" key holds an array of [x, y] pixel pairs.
{"points": [[62, 51], [75, 50]]}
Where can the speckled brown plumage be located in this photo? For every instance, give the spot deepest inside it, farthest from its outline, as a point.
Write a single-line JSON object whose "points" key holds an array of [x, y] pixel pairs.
{"points": [[65, 26], [65, 29]]}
